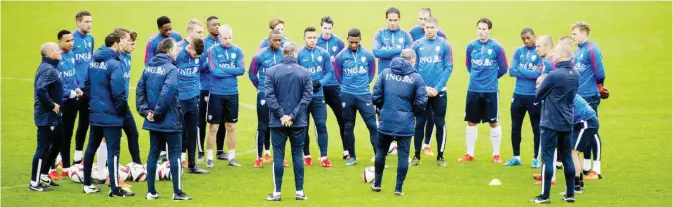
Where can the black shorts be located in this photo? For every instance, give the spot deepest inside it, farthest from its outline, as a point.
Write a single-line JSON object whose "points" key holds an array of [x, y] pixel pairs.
{"points": [[222, 107], [481, 107], [581, 136]]}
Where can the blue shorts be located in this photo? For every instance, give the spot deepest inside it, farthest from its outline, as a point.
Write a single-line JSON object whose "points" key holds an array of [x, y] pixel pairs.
{"points": [[222, 107], [481, 107], [583, 132]]}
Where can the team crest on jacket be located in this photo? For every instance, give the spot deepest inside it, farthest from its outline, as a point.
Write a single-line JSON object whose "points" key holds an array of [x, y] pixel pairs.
{"points": [[363, 59], [401, 40], [233, 56], [319, 58], [334, 48], [196, 61], [489, 51], [262, 102], [533, 57], [73, 60], [437, 48]]}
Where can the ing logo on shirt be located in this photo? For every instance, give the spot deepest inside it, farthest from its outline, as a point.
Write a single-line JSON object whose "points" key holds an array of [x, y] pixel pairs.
{"points": [[484, 62]]}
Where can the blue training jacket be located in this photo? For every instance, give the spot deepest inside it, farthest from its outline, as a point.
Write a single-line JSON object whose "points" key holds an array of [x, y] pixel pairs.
{"points": [[188, 74], [205, 76], [584, 112], [557, 92], [68, 73], [226, 64], [153, 43], [157, 91], [355, 70], [400, 93], [317, 62], [389, 44], [526, 66], [263, 60], [125, 60], [83, 50], [588, 61], [486, 62], [288, 91], [48, 88], [417, 33], [106, 86], [434, 61], [333, 45]]}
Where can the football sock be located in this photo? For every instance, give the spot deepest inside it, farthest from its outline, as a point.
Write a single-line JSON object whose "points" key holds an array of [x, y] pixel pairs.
{"points": [[471, 136], [496, 138]]}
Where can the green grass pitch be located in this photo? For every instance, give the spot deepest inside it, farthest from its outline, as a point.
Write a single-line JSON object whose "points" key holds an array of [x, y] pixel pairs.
{"points": [[635, 38]]}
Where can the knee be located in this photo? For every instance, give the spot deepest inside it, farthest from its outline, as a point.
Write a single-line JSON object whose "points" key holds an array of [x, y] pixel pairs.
{"points": [[231, 127], [471, 124], [439, 121], [494, 124]]}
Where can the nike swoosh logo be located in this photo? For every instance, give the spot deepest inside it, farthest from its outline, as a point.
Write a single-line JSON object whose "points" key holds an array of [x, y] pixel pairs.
{"points": [[535, 104], [369, 104]]}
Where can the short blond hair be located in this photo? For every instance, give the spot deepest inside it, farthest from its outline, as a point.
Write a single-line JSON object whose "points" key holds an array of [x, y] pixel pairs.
{"points": [[546, 40], [193, 22], [275, 22], [582, 26]]}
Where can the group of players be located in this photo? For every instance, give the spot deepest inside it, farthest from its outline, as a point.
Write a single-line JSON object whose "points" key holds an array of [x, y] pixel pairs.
{"points": [[206, 90]]}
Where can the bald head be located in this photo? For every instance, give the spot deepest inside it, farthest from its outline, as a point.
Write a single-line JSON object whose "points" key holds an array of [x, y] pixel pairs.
{"points": [[563, 52], [226, 29], [543, 46], [50, 50]]}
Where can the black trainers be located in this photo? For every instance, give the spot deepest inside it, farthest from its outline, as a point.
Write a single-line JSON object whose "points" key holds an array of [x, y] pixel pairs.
{"points": [[221, 156], [569, 199], [48, 183], [540, 200], [301, 197], [272, 197], [121, 193], [376, 189], [182, 196], [39, 188], [197, 170]]}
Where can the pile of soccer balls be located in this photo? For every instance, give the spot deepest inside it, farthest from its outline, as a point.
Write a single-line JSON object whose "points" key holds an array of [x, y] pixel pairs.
{"points": [[131, 172]]}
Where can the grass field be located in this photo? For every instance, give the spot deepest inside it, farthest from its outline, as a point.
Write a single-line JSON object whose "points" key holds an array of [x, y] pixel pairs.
{"points": [[635, 39]]}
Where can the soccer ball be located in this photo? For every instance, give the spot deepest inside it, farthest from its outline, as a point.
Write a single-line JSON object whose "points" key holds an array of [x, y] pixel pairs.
{"points": [[137, 172], [76, 173], [123, 173], [95, 173], [165, 172], [393, 149], [368, 174]]}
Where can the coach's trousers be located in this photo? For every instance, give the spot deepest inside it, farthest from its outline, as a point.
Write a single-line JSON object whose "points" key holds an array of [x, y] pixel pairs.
{"points": [[82, 123], [403, 146], [174, 141], [49, 139], [552, 141], [112, 137], [279, 137]]}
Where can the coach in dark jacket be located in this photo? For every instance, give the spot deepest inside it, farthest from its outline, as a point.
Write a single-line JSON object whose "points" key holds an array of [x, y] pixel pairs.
{"points": [[107, 99], [288, 89], [400, 94], [557, 93], [48, 98], [157, 101]]}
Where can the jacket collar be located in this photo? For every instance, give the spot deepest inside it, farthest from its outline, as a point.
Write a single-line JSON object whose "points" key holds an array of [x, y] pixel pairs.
{"points": [[50, 61]]}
